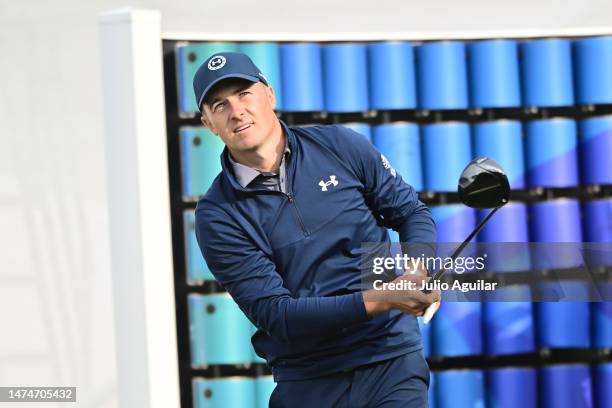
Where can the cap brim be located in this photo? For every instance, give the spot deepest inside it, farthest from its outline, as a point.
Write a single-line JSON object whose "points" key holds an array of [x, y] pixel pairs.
{"points": [[221, 78]]}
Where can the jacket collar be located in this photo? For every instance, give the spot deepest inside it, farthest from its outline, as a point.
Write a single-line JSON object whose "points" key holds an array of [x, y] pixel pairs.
{"points": [[227, 168]]}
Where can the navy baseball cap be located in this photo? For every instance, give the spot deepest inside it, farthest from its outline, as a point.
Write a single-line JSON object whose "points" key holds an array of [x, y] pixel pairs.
{"points": [[221, 66]]}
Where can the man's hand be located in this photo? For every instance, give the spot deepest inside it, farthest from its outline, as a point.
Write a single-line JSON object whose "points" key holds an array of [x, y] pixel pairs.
{"points": [[406, 295]]}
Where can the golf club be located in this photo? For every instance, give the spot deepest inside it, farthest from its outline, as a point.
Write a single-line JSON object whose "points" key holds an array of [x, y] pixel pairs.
{"points": [[482, 184]]}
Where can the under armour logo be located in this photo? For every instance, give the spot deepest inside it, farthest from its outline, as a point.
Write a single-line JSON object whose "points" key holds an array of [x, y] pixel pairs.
{"points": [[332, 181], [216, 62], [387, 165]]}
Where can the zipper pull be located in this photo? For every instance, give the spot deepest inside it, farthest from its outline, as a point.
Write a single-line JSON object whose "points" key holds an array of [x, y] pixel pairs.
{"points": [[290, 196]]}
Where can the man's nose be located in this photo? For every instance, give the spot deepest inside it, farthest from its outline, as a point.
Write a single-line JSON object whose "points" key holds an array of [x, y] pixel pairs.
{"points": [[236, 108]]}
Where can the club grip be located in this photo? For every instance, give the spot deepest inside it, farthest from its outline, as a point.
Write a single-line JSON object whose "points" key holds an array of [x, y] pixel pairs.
{"points": [[430, 312]]}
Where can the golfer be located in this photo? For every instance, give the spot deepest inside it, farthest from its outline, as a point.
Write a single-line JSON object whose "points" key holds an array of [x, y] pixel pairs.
{"points": [[281, 229]]}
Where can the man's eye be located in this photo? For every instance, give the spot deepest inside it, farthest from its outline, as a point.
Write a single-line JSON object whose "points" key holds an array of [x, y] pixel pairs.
{"points": [[244, 93], [218, 107]]}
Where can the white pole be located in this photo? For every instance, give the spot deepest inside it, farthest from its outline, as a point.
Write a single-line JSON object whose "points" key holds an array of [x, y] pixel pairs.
{"points": [[139, 208]]}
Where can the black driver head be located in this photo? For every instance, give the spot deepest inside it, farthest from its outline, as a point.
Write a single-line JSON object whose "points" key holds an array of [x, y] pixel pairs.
{"points": [[483, 184]]}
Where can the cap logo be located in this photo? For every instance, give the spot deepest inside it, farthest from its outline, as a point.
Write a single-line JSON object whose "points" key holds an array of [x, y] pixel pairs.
{"points": [[216, 62]]}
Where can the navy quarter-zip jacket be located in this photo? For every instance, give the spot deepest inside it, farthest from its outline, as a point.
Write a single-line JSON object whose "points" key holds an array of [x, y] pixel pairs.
{"points": [[292, 261]]}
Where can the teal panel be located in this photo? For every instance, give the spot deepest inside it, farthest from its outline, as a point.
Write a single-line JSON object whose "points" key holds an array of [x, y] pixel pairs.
{"points": [[200, 160]]}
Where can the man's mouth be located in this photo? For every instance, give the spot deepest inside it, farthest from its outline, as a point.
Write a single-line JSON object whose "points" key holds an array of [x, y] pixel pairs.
{"points": [[243, 127]]}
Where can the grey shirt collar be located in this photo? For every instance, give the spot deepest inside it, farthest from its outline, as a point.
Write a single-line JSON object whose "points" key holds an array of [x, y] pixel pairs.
{"points": [[245, 174]]}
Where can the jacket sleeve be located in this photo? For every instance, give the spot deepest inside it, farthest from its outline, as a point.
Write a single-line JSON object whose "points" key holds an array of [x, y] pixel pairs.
{"points": [[250, 277], [393, 201]]}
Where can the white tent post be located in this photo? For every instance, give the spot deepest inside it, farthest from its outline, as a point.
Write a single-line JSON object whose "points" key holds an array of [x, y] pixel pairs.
{"points": [[139, 208]]}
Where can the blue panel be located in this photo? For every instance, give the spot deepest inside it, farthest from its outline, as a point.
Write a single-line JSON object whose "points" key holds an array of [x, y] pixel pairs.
{"points": [[454, 222], [552, 153], [220, 333], [442, 75], [565, 323], [559, 324], [393, 236], [361, 128], [509, 224], [266, 56], [565, 386], [593, 62], [494, 74], [598, 220], [602, 385], [345, 76], [556, 221], [188, 60], [302, 75], [508, 326], [502, 140], [235, 392], [200, 160], [459, 389], [597, 224], [456, 329], [197, 269], [595, 150], [547, 73], [511, 388], [601, 319], [446, 152], [263, 389], [400, 143], [392, 80]]}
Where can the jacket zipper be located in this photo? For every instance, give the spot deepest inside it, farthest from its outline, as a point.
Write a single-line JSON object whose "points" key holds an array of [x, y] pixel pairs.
{"points": [[297, 213], [292, 201]]}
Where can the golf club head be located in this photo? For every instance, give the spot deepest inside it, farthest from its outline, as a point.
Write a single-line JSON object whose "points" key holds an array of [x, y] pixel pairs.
{"points": [[483, 184]]}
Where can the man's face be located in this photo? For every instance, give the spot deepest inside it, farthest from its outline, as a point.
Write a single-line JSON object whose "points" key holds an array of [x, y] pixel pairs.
{"points": [[241, 113]]}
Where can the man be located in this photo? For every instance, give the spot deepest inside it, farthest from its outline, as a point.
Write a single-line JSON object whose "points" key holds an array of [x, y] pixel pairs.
{"points": [[281, 228]]}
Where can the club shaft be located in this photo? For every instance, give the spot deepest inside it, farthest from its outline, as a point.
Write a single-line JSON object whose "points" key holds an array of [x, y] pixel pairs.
{"points": [[461, 247]]}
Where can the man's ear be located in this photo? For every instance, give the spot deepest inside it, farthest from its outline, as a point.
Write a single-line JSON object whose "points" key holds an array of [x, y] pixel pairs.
{"points": [[207, 123], [271, 96]]}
